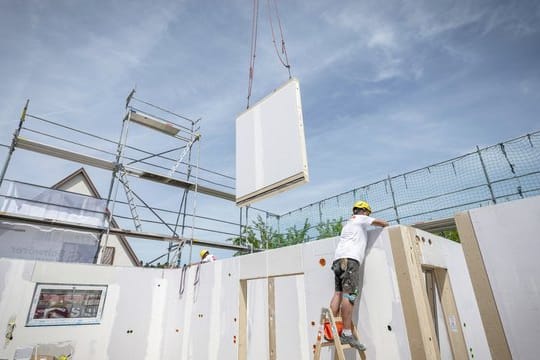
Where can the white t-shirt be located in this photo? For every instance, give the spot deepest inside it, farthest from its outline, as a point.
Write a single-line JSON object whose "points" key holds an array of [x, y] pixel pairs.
{"points": [[353, 238], [209, 258]]}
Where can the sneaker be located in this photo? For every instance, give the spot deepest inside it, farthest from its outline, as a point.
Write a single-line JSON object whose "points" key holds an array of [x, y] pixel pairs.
{"points": [[350, 340]]}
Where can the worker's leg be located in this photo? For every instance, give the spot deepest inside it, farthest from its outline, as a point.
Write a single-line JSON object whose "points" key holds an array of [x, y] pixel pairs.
{"points": [[350, 292], [346, 312], [335, 303]]}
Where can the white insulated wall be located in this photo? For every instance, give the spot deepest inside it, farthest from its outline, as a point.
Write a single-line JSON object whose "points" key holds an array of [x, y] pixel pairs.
{"points": [[508, 235], [154, 314]]}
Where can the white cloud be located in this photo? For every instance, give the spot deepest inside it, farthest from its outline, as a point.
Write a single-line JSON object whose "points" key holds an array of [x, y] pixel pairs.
{"points": [[383, 38]]}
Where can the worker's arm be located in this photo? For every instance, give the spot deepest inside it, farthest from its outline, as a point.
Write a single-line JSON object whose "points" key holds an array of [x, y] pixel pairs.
{"points": [[379, 222]]}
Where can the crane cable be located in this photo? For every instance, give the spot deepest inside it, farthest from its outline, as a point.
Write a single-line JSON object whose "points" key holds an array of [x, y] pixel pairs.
{"points": [[254, 32], [283, 48], [252, 54]]}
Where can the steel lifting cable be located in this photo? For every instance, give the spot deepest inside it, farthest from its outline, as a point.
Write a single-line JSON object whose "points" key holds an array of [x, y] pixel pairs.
{"points": [[254, 31], [283, 48], [253, 48]]}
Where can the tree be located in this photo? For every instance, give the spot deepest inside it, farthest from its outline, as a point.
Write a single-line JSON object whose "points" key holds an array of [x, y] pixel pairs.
{"points": [[295, 236], [329, 228], [260, 235], [450, 235]]}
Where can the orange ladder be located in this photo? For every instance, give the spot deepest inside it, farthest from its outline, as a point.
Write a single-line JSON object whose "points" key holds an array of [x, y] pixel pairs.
{"points": [[327, 316]]}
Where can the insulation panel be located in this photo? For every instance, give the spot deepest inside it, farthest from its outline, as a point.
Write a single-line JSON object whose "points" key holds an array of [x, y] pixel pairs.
{"points": [[501, 245], [270, 146], [197, 312]]}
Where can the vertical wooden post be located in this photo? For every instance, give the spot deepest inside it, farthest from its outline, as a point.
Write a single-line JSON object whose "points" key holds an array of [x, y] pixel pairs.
{"points": [[420, 328], [432, 296], [271, 319], [242, 321], [496, 337], [451, 315]]}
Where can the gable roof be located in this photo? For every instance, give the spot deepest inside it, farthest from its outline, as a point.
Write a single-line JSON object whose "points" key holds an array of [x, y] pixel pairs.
{"points": [[86, 178]]}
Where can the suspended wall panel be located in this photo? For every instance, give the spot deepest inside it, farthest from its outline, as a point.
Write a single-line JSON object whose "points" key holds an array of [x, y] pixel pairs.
{"points": [[270, 146]]}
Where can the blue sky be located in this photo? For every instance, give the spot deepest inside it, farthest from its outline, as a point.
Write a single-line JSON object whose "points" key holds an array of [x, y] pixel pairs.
{"points": [[387, 86]]}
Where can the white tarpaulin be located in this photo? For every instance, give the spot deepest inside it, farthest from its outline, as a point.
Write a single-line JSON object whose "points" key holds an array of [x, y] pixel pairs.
{"points": [[32, 242], [47, 243], [30, 200]]}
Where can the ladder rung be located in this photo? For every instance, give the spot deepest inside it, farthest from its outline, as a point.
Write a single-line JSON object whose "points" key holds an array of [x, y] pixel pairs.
{"points": [[330, 343], [327, 316]]}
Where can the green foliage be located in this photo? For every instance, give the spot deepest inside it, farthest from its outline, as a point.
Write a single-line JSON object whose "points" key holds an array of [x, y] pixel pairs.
{"points": [[330, 228], [260, 235], [450, 235], [295, 236]]}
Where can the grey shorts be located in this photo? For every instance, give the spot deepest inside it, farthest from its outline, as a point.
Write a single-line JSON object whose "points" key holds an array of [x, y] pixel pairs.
{"points": [[346, 275]]}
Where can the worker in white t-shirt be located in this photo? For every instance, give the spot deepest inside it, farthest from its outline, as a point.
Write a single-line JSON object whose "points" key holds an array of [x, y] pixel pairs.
{"points": [[348, 258], [206, 256]]}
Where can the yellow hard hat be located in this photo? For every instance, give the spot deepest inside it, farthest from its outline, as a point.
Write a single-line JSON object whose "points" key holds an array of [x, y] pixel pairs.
{"points": [[362, 205], [203, 252]]}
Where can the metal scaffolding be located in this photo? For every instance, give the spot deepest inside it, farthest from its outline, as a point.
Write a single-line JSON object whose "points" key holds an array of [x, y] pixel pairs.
{"points": [[129, 162]]}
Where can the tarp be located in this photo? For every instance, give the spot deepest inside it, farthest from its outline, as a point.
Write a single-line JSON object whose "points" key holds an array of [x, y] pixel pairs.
{"points": [[22, 241], [30, 200], [47, 243]]}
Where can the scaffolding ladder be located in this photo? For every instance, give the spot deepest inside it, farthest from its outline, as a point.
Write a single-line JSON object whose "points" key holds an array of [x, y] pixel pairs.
{"points": [[328, 317], [122, 176]]}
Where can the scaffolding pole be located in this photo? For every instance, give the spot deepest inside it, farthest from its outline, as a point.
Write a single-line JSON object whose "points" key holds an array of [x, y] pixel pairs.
{"points": [[14, 142], [4, 216], [188, 134]]}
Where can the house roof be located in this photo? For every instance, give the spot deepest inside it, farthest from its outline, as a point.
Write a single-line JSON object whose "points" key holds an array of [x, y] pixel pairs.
{"points": [[86, 178]]}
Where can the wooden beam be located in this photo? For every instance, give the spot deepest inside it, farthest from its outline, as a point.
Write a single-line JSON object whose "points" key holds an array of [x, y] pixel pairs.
{"points": [[242, 321], [271, 319], [418, 321], [451, 314], [496, 337]]}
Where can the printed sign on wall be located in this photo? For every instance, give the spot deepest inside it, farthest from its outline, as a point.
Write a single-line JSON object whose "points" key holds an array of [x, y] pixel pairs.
{"points": [[55, 304]]}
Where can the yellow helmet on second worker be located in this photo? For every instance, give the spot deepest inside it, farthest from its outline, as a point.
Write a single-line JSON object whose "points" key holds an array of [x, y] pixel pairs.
{"points": [[203, 252], [362, 205]]}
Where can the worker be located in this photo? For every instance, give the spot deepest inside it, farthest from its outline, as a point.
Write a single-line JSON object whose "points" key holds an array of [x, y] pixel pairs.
{"points": [[348, 258], [206, 256]]}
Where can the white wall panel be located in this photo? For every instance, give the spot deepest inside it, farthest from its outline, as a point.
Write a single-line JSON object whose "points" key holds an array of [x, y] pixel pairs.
{"points": [[257, 327], [270, 145], [286, 260], [203, 321], [509, 240], [380, 316]]}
